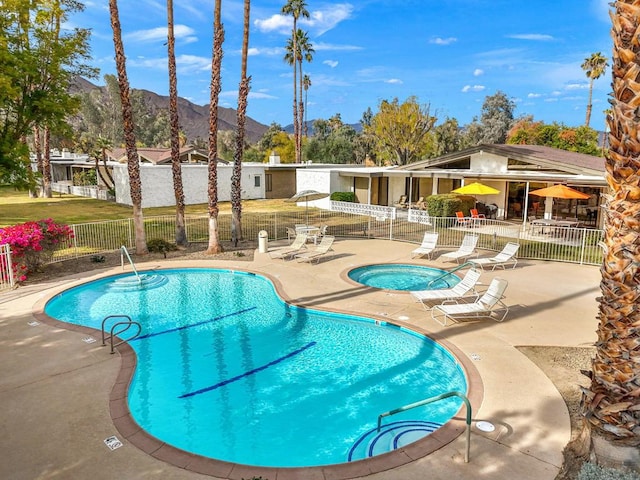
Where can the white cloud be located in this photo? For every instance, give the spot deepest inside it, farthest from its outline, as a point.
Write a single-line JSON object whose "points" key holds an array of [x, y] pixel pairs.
{"points": [[319, 21], [534, 95], [185, 63], [576, 86], [538, 37], [268, 51], [474, 88], [181, 32], [395, 81], [327, 47], [443, 41], [550, 99], [477, 72], [331, 63]]}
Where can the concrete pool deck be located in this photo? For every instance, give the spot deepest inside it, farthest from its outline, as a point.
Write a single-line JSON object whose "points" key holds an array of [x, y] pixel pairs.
{"points": [[55, 388]]}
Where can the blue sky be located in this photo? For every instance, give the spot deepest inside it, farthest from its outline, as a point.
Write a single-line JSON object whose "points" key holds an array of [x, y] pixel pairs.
{"points": [[449, 54]]}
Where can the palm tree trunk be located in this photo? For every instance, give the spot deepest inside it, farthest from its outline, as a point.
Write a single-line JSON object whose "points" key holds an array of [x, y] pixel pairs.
{"points": [[236, 177], [176, 167], [589, 104], [296, 133], [300, 108], [611, 405], [214, 245], [133, 166]]}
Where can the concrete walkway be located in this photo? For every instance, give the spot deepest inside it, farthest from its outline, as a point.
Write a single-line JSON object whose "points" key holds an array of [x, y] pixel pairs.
{"points": [[55, 388]]}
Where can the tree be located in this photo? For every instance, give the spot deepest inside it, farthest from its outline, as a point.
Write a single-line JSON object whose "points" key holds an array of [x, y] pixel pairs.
{"points": [[401, 130], [295, 8], [176, 167], [306, 83], [594, 67], [243, 94], [496, 118], [133, 165], [580, 139], [305, 52], [447, 137], [212, 179], [38, 60], [612, 402]]}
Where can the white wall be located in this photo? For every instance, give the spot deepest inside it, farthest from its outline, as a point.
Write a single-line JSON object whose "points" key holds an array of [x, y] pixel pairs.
{"points": [[320, 180], [487, 162], [157, 184]]}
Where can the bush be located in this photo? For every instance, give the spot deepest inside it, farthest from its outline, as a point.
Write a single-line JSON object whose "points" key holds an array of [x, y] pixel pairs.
{"points": [[591, 471], [33, 244], [446, 205], [343, 197], [160, 246]]}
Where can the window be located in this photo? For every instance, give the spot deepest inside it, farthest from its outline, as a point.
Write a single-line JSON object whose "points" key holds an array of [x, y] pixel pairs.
{"points": [[256, 181], [268, 180]]}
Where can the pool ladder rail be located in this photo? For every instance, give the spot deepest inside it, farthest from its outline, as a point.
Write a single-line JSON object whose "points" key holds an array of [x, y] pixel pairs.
{"points": [[450, 272], [123, 252], [437, 398], [124, 325]]}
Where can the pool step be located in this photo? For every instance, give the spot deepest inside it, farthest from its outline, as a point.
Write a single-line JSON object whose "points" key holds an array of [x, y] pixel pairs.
{"points": [[134, 283], [390, 437]]}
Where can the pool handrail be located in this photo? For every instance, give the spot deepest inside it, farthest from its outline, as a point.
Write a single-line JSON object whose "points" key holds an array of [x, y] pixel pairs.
{"points": [[123, 252], [442, 396], [450, 272], [112, 333]]}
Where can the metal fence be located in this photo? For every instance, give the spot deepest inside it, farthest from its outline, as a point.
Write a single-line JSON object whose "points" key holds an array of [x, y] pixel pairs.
{"points": [[576, 245], [6, 268]]}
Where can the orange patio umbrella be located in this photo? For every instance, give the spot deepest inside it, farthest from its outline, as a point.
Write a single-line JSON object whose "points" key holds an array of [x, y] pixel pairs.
{"points": [[560, 191]]}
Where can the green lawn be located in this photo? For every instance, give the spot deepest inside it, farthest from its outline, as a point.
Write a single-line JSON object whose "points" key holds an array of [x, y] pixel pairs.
{"points": [[16, 207]]}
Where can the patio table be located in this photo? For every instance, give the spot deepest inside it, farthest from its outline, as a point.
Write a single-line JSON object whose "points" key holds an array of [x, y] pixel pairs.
{"points": [[312, 231]]}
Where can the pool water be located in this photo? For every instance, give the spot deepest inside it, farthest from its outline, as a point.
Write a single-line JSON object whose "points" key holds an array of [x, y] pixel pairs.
{"points": [[404, 277], [228, 370]]}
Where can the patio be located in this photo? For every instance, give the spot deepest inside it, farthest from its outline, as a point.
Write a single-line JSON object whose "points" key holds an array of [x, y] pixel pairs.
{"points": [[56, 387]]}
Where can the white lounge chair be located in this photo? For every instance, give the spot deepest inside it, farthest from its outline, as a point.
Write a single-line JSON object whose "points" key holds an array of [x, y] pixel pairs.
{"points": [[284, 252], [429, 243], [486, 306], [465, 287], [468, 248], [506, 256], [314, 254]]}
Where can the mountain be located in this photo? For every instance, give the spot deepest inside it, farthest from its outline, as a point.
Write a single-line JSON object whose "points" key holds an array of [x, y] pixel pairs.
{"points": [[194, 119]]}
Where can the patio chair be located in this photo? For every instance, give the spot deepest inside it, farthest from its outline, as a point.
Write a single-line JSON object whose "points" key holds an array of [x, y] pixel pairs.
{"points": [[466, 249], [314, 254], [465, 287], [284, 252], [506, 256], [420, 204], [429, 242], [477, 216], [322, 231], [402, 202], [462, 221], [291, 233], [487, 306]]}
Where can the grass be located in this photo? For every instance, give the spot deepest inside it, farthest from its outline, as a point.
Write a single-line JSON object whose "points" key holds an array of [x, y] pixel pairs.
{"points": [[16, 207]]}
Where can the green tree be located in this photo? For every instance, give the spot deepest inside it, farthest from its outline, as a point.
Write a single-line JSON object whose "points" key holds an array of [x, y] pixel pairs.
{"points": [[447, 137], [594, 67], [496, 118], [580, 139], [611, 405], [39, 59], [402, 130]]}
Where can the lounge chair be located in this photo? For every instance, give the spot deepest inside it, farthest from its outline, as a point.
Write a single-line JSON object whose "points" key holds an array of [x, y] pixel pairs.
{"points": [[291, 233], [402, 203], [321, 232], [420, 204], [486, 306], [465, 287], [429, 242], [296, 246], [506, 256], [314, 254], [468, 248]]}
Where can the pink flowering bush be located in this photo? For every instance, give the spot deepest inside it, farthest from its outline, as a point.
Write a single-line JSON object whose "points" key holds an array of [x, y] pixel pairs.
{"points": [[33, 244]]}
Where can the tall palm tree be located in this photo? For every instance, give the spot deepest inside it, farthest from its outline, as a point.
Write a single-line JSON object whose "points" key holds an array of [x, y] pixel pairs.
{"points": [[612, 402], [594, 66], [305, 53], [214, 245], [297, 9], [133, 166], [306, 83], [176, 168], [243, 94]]}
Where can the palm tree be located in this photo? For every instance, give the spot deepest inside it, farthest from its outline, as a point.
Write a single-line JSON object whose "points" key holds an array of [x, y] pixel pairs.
{"points": [[297, 9], [243, 94], [594, 66], [305, 52], [216, 67], [306, 83], [612, 403], [176, 168], [133, 167]]}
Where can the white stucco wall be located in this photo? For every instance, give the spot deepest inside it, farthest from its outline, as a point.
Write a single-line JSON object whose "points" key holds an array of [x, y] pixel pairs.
{"points": [[157, 184], [487, 162], [320, 180]]}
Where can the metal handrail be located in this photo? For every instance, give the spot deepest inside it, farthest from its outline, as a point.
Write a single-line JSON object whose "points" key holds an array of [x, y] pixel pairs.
{"points": [[449, 272], [123, 252], [112, 333], [435, 399]]}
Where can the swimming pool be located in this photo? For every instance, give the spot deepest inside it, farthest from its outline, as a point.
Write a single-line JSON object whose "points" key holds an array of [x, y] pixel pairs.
{"points": [[404, 277], [228, 370]]}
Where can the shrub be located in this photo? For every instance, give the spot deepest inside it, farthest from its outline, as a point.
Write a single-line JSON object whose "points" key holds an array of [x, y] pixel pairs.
{"points": [[161, 246], [446, 205], [343, 197], [591, 471], [33, 244]]}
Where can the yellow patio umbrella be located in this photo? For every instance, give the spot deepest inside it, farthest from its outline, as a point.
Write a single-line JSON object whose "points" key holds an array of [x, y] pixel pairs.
{"points": [[476, 188]]}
